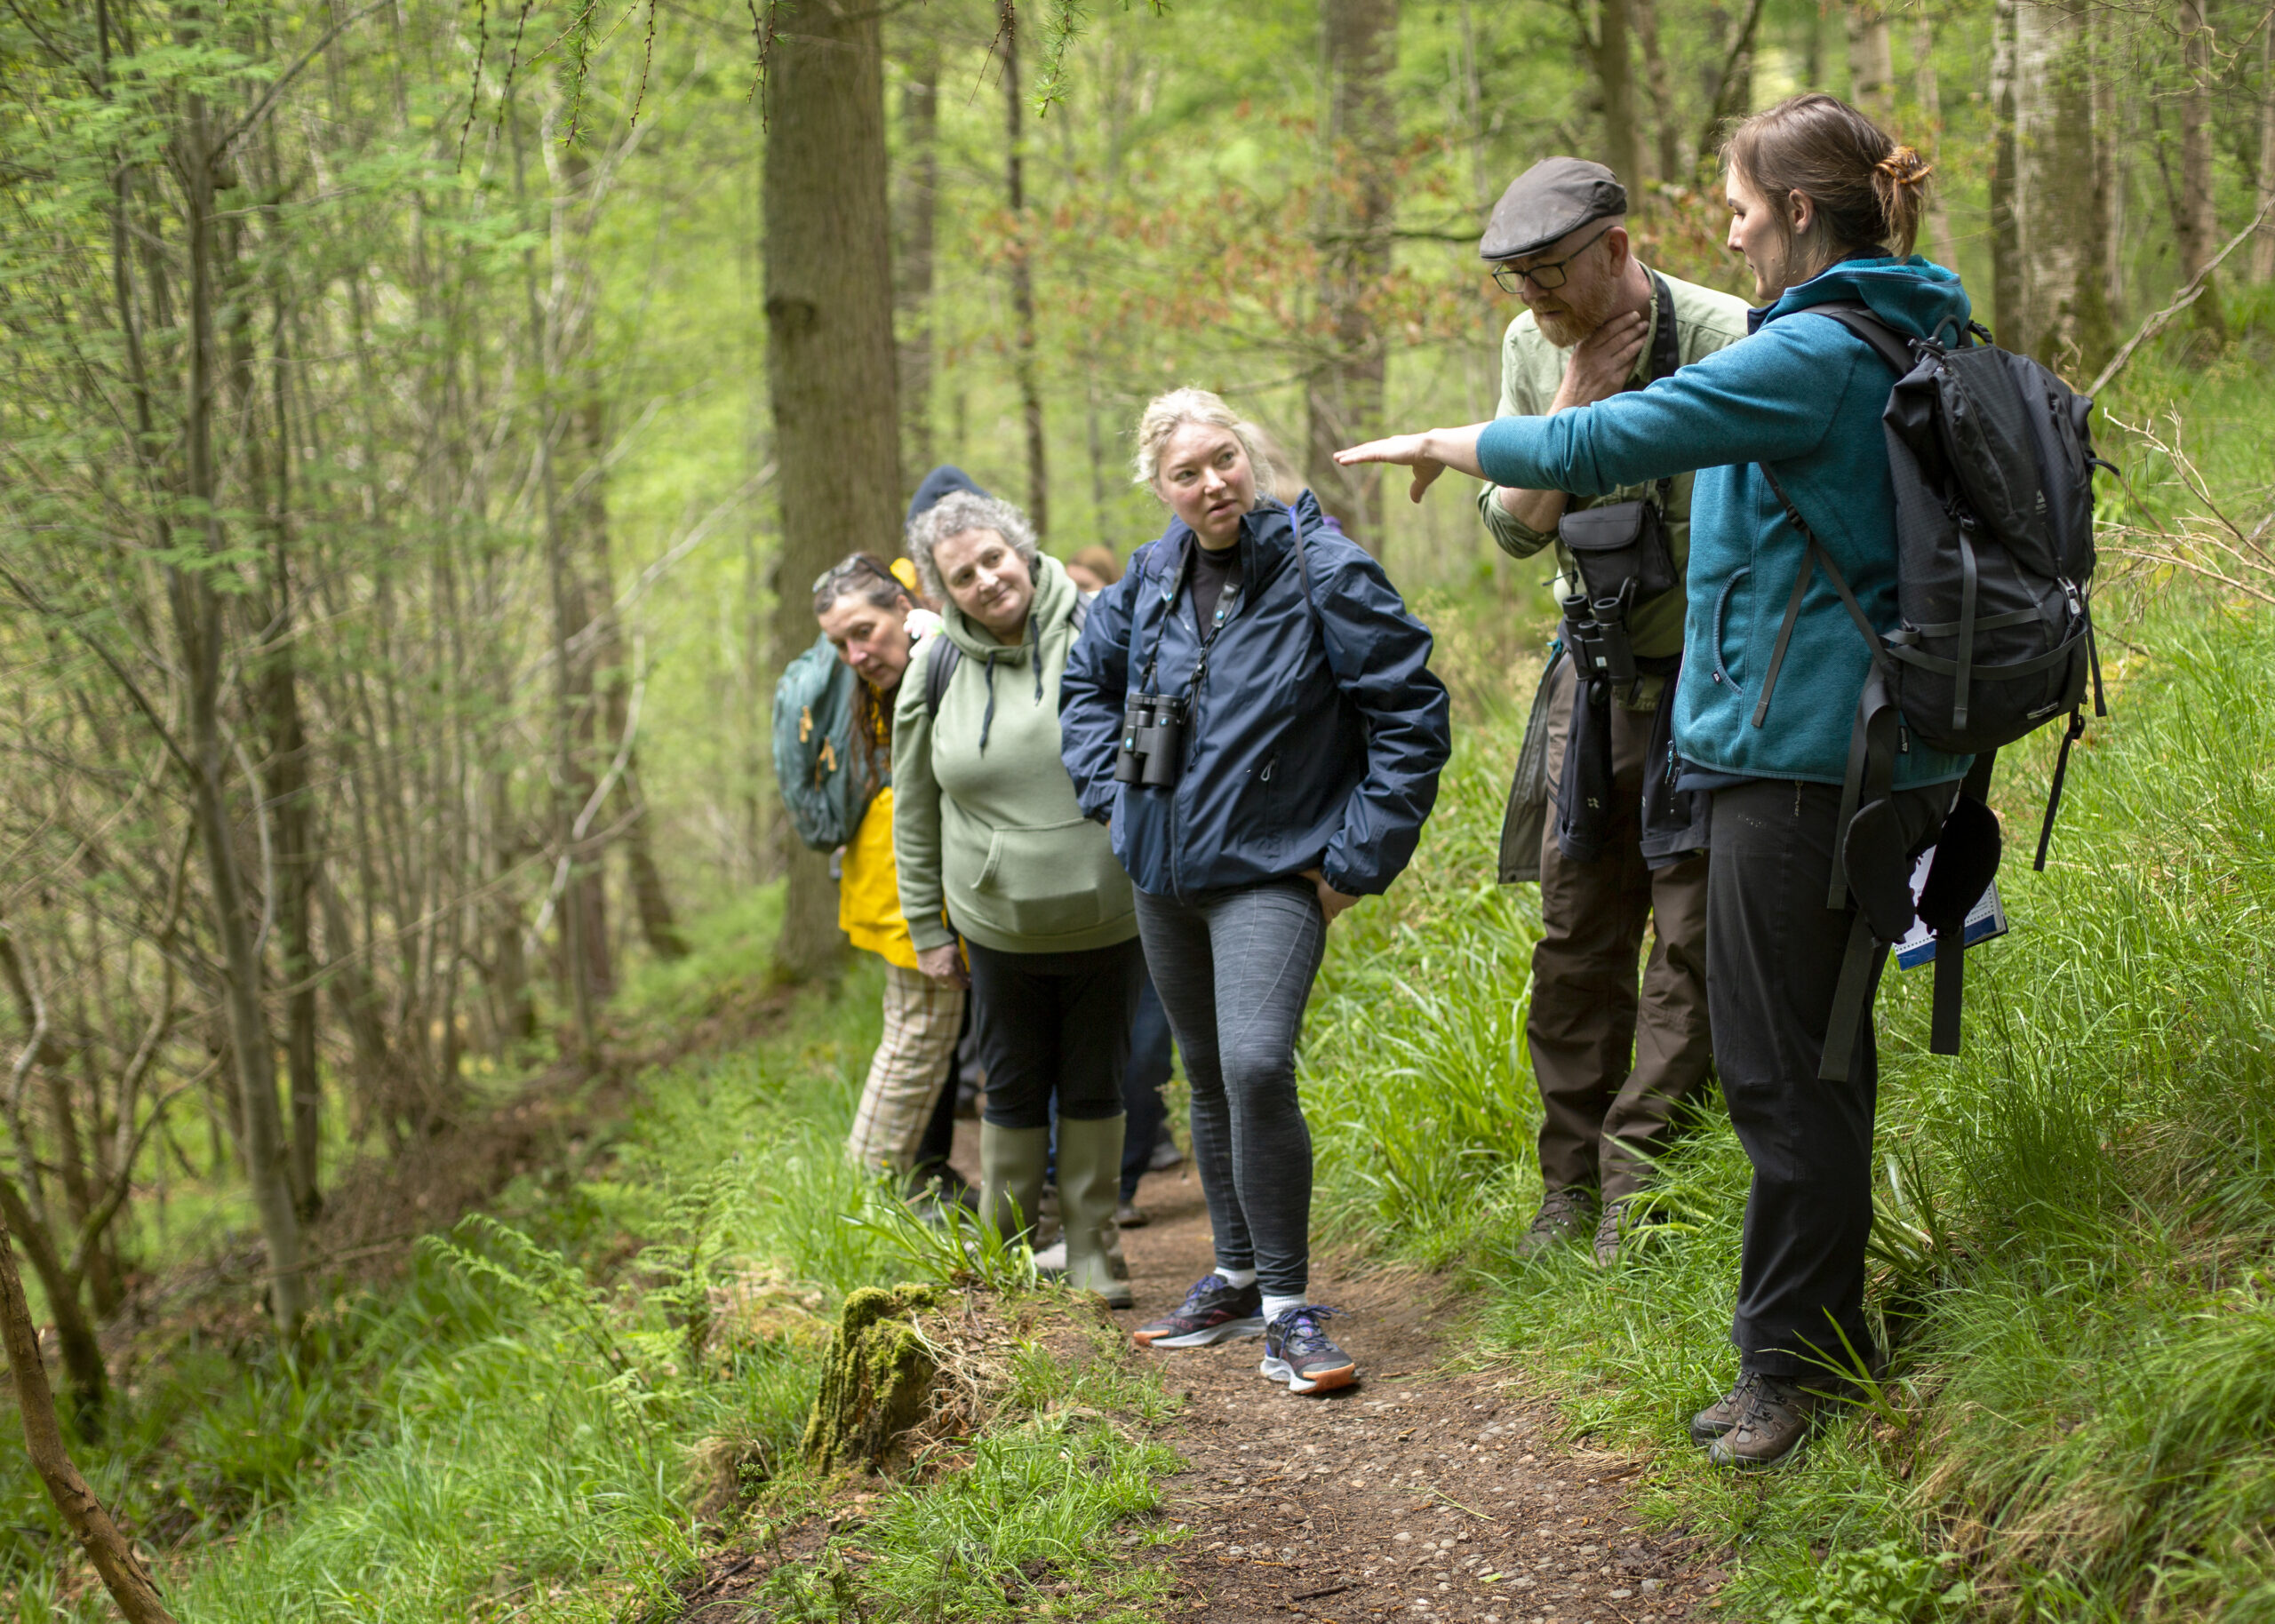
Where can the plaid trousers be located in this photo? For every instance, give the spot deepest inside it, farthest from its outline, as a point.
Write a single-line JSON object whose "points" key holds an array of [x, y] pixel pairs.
{"points": [[921, 1021]]}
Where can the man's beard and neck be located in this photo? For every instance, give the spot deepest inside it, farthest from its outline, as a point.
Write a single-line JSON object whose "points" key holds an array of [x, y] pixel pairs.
{"points": [[1582, 313]]}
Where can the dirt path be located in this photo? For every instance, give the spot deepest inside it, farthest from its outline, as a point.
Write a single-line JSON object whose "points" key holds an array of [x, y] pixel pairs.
{"points": [[1421, 1491]]}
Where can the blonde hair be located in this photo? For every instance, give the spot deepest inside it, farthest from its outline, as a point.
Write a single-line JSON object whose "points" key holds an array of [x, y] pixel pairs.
{"points": [[1869, 190], [1165, 414]]}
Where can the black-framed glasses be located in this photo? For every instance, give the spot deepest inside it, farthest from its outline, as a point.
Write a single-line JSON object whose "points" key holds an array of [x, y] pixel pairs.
{"points": [[856, 563], [1547, 277]]}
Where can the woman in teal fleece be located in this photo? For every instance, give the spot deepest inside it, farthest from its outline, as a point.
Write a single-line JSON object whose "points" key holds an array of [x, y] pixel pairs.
{"points": [[1824, 207]]}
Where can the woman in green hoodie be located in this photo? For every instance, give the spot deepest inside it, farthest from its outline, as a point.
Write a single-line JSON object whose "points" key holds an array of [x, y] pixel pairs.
{"points": [[994, 849]]}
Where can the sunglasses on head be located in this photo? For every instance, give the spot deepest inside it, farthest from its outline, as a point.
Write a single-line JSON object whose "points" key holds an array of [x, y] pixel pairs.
{"points": [[851, 565]]}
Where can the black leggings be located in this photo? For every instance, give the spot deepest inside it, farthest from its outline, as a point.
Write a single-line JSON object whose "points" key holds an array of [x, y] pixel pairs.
{"points": [[1054, 1024]]}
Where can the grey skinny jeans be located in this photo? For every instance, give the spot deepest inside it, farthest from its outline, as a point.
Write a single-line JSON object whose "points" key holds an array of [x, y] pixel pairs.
{"points": [[1234, 969]]}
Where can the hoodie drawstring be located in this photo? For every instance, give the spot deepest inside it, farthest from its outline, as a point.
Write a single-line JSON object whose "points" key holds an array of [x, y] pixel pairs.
{"points": [[1034, 645]]}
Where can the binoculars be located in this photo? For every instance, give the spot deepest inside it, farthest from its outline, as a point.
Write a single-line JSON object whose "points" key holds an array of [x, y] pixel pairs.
{"points": [[1596, 632], [1152, 740]]}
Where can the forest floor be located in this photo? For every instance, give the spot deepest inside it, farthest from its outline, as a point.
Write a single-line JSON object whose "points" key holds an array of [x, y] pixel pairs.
{"points": [[1427, 1489]]}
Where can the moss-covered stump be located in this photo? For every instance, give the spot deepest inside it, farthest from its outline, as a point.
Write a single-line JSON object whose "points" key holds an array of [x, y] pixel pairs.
{"points": [[875, 1381]]}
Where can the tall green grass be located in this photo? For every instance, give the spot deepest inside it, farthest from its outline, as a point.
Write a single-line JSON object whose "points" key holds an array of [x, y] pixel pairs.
{"points": [[569, 1398], [2077, 1212]]}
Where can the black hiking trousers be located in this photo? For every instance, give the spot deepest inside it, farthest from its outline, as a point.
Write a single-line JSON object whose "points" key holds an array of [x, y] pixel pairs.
{"points": [[1772, 959]]}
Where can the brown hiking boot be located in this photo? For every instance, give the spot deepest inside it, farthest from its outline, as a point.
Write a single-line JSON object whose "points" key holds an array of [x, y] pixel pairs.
{"points": [[1719, 1417], [1771, 1420], [1564, 1216]]}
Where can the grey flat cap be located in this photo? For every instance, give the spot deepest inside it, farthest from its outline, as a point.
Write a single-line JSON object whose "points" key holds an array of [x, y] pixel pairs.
{"points": [[1553, 198]]}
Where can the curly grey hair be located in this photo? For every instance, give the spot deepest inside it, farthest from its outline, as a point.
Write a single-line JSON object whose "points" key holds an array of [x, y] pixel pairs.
{"points": [[957, 512]]}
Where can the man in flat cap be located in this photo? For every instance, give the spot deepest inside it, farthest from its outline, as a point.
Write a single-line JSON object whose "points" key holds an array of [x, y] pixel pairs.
{"points": [[1622, 845]]}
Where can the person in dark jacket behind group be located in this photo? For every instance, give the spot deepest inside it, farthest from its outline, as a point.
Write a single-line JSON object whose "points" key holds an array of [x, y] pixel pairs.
{"points": [[1825, 206], [1313, 738]]}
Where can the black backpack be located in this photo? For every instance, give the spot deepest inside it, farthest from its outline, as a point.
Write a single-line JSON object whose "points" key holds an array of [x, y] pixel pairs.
{"points": [[1993, 463]]}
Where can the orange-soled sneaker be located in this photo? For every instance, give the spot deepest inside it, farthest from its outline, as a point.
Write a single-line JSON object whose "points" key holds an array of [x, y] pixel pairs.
{"points": [[1297, 1351], [1214, 1311]]}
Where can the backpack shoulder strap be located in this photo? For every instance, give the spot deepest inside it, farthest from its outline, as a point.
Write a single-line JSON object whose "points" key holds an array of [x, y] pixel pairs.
{"points": [[1890, 344], [939, 668]]}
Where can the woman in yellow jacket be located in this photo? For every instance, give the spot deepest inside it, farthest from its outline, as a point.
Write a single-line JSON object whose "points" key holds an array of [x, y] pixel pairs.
{"points": [[871, 615]]}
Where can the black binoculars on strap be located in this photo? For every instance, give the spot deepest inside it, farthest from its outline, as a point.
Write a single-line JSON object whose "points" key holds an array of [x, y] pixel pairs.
{"points": [[1152, 740], [1595, 630]]}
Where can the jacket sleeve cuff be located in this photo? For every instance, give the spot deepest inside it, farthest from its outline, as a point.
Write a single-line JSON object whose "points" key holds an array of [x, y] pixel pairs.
{"points": [[1509, 451], [929, 933]]}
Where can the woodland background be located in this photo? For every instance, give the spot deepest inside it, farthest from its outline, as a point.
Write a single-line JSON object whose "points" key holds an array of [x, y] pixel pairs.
{"points": [[420, 421]]}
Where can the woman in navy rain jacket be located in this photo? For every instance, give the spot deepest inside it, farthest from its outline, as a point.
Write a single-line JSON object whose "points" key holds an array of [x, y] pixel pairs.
{"points": [[1824, 207], [1315, 735]]}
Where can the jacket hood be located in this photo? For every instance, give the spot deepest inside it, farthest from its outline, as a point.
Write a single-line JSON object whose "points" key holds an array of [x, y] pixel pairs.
{"points": [[939, 483], [1055, 596], [1914, 295]]}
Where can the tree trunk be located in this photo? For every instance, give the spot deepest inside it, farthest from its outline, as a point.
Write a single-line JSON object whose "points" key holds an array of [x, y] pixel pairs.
{"points": [[285, 779], [1343, 396], [599, 666], [75, 1333], [82, 1358], [1729, 82], [829, 356], [1023, 274], [918, 176], [1645, 14], [196, 611], [1872, 61], [2110, 163], [2199, 224], [1623, 132], [122, 1572], [2006, 249], [1940, 245], [2064, 319], [2262, 246]]}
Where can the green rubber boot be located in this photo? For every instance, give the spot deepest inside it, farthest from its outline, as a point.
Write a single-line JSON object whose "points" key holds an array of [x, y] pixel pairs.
{"points": [[1010, 1176], [1089, 1183]]}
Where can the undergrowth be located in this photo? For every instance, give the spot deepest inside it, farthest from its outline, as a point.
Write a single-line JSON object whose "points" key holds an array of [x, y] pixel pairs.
{"points": [[2076, 1216]]}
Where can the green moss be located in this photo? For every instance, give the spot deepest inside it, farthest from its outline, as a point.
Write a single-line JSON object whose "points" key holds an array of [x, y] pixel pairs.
{"points": [[874, 1381]]}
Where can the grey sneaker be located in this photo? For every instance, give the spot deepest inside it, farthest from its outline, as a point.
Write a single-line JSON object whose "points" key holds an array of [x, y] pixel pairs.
{"points": [[1564, 1216], [1772, 1422]]}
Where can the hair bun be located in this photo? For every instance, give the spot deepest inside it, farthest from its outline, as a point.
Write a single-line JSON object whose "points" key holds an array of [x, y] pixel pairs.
{"points": [[1904, 166]]}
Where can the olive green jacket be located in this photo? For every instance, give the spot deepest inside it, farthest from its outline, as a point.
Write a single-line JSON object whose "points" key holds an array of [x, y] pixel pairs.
{"points": [[1532, 370]]}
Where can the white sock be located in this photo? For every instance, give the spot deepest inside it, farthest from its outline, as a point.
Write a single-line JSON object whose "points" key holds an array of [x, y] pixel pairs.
{"points": [[1274, 1306], [1237, 1278]]}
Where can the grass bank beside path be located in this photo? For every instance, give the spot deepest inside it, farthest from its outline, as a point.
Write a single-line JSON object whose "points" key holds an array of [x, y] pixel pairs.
{"points": [[2075, 1256], [568, 1399]]}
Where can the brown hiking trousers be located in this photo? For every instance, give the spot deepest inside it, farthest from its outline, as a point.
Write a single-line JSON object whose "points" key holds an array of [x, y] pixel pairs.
{"points": [[1613, 1063]]}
